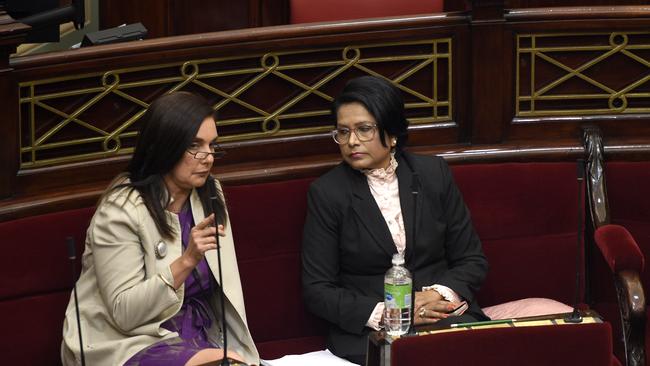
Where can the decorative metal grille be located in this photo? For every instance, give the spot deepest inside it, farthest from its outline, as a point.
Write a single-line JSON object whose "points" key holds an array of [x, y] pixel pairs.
{"points": [[582, 74], [82, 117]]}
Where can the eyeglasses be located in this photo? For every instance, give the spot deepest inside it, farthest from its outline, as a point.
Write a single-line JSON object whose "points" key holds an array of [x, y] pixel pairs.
{"points": [[216, 152], [364, 133]]}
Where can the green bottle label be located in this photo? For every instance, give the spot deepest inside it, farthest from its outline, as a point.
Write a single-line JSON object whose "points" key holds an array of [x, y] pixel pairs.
{"points": [[397, 296]]}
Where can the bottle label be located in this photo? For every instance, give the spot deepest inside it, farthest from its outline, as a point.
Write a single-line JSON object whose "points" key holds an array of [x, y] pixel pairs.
{"points": [[397, 296]]}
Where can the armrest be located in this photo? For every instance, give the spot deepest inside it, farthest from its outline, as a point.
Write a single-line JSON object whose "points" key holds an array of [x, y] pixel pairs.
{"points": [[619, 248], [626, 261]]}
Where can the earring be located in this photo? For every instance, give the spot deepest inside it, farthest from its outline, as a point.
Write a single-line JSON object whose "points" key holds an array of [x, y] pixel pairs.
{"points": [[394, 142]]}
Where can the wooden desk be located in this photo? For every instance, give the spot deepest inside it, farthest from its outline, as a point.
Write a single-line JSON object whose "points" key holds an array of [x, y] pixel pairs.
{"points": [[379, 343]]}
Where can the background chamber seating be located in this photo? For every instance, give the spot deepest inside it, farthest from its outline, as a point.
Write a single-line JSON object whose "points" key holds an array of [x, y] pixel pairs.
{"points": [[629, 203], [35, 283], [525, 214], [526, 217]]}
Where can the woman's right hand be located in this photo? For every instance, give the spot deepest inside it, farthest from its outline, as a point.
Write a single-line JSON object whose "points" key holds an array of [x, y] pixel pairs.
{"points": [[202, 238]]}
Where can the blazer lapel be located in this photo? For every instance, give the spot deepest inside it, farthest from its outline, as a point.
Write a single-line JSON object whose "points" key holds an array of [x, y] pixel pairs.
{"points": [[405, 180], [367, 210], [230, 271]]}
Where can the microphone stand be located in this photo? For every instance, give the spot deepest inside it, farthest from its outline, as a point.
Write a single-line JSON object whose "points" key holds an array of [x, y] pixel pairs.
{"points": [[575, 316], [415, 190], [73, 256], [213, 200]]}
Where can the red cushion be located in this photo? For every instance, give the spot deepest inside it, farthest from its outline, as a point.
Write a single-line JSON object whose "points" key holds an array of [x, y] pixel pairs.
{"points": [[619, 248], [629, 200], [515, 200], [267, 221], [35, 283], [526, 217], [38, 243], [305, 11], [33, 329], [628, 195]]}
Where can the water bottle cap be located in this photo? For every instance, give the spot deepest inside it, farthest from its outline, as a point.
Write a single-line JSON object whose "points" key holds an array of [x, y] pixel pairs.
{"points": [[398, 259]]}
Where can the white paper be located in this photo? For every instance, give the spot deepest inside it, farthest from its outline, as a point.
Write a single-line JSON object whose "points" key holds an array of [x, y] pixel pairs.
{"points": [[318, 358]]}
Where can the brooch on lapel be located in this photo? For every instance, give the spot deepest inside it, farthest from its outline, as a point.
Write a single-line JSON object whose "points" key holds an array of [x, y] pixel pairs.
{"points": [[160, 249]]}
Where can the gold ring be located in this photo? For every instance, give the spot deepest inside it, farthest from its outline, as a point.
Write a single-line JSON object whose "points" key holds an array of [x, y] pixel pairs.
{"points": [[422, 310]]}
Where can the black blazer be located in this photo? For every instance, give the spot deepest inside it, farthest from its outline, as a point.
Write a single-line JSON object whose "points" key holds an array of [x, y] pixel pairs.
{"points": [[347, 246]]}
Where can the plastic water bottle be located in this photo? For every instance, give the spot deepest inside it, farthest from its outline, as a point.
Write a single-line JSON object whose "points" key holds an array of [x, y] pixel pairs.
{"points": [[397, 297]]}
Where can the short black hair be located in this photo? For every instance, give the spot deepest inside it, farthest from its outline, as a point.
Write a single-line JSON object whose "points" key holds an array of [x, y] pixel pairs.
{"points": [[383, 101]]}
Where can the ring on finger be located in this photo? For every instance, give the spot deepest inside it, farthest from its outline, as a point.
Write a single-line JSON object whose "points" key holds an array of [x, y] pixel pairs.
{"points": [[422, 311]]}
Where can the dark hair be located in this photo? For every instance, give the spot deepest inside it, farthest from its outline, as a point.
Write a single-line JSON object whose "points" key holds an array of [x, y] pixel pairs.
{"points": [[169, 126], [382, 100]]}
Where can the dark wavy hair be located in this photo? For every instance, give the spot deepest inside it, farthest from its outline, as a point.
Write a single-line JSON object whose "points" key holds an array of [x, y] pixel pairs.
{"points": [[382, 100], [168, 128]]}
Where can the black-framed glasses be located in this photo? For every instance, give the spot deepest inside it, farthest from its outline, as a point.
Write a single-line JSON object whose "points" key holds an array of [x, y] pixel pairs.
{"points": [[364, 133], [216, 152]]}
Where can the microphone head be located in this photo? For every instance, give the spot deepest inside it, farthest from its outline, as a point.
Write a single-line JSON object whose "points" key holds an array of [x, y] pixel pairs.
{"points": [[415, 186], [72, 251], [580, 166], [212, 190]]}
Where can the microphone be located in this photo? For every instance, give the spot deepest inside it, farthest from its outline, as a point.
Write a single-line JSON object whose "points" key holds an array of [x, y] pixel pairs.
{"points": [[575, 316], [415, 191], [73, 256], [213, 200]]}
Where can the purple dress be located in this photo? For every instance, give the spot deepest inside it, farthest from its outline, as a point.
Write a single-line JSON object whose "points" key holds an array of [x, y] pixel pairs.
{"points": [[193, 319]]}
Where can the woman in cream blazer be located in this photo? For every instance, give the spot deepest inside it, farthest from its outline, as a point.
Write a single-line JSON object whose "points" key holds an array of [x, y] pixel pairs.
{"points": [[134, 264]]}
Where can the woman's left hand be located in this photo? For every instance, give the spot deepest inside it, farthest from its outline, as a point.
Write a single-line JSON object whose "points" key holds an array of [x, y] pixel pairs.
{"points": [[430, 307]]}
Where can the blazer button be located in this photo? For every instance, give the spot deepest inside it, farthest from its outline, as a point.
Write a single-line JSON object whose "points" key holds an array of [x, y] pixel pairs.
{"points": [[160, 249]]}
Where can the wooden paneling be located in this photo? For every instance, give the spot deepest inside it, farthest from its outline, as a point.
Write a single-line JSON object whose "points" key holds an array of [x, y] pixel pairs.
{"points": [[199, 16], [460, 5], [11, 35], [153, 14], [304, 66], [472, 70], [580, 72], [164, 18], [270, 12]]}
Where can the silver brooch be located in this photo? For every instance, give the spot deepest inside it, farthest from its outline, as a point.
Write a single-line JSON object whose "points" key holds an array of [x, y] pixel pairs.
{"points": [[161, 249]]}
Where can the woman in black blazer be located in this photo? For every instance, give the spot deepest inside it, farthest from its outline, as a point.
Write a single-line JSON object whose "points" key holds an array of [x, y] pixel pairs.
{"points": [[361, 212]]}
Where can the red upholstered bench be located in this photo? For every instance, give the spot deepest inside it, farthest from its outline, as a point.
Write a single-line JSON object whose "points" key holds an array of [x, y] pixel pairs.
{"points": [[629, 203], [524, 213], [35, 284], [526, 217], [267, 222]]}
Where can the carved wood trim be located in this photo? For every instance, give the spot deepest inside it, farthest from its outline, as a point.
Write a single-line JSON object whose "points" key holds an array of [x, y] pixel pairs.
{"points": [[596, 184], [632, 306]]}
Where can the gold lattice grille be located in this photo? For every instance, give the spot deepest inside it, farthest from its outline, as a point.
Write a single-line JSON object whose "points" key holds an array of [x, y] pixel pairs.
{"points": [[81, 117], [583, 74]]}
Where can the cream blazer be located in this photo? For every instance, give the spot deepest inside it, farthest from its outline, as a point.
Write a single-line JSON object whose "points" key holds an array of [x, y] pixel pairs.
{"points": [[123, 289]]}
